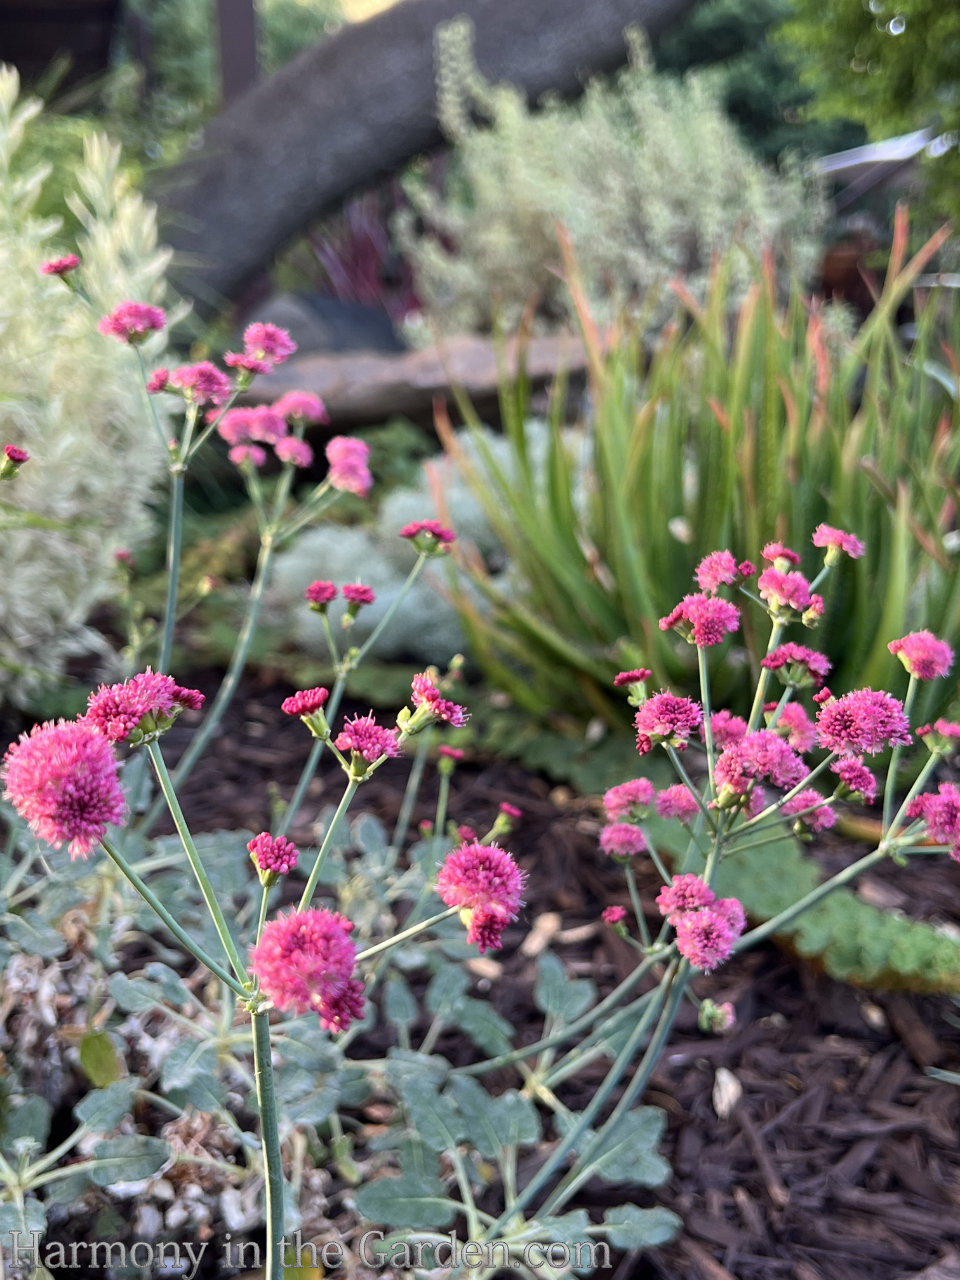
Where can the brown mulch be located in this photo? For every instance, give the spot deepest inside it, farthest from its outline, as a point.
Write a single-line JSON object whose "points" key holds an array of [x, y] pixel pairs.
{"points": [[838, 1161]]}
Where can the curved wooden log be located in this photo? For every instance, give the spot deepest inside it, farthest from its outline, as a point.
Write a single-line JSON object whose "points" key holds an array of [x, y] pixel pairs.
{"points": [[356, 107]]}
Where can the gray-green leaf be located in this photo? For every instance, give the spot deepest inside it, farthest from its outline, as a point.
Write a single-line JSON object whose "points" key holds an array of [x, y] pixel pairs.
{"points": [[495, 1123], [127, 1159], [103, 1109], [631, 1228], [416, 1203], [434, 1116], [627, 1153]]}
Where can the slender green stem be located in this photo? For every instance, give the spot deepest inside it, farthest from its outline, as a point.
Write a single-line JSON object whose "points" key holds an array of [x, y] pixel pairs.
{"points": [[707, 727], [387, 618], [404, 934], [270, 1142], [228, 686], [568, 1032], [151, 403], [174, 554], [349, 792], [466, 1192], [919, 783], [196, 863], [178, 932], [261, 918], [889, 790], [636, 904], [756, 711], [676, 980], [588, 1115], [752, 823], [411, 791]]}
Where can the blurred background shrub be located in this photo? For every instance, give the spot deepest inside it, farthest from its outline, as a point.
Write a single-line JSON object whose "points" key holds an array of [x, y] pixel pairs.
{"points": [[70, 397]]}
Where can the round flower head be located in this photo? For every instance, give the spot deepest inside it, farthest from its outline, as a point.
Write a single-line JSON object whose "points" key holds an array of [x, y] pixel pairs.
{"points": [[819, 816], [432, 706], [836, 541], [774, 551], [304, 702], [266, 426], [856, 780], [268, 342], [702, 620], [60, 266], [941, 813], [250, 455], [684, 893], [666, 718], [726, 728], [923, 655], [613, 915], [141, 708], [273, 856], [705, 938], [796, 726], [625, 679], [622, 840], [301, 406], [485, 884], [718, 568], [677, 802], [620, 801], [862, 722], [366, 739], [784, 591], [797, 665], [296, 452], [304, 962], [62, 780], [759, 757], [320, 594], [12, 460], [236, 426], [356, 593], [429, 537], [158, 381], [132, 322], [201, 383], [347, 459]]}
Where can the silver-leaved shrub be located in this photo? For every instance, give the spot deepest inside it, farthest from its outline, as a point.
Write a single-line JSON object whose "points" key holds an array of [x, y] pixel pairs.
{"points": [[69, 398]]}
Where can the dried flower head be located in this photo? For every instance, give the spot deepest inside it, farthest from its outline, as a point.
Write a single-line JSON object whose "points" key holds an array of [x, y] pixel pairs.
{"points": [[62, 780], [304, 962]]}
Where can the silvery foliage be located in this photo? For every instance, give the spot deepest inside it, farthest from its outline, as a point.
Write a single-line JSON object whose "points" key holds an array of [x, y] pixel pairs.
{"points": [[69, 396]]}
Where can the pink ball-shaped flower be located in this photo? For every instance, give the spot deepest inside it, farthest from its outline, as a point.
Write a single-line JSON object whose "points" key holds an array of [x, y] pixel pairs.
{"points": [[60, 266], [268, 342], [273, 853], [132, 322], [320, 593], [356, 593], [251, 454], [666, 718], [727, 728], [684, 893], [368, 739], [613, 915], [305, 961], [862, 722], [201, 383], [302, 406], [622, 840], [705, 938], [716, 569], [620, 801], [923, 655], [304, 702], [429, 537], [820, 815], [836, 540], [486, 885], [855, 778], [677, 802], [703, 620], [148, 703], [297, 452], [349, 471], [797, 665], [62, 780]]}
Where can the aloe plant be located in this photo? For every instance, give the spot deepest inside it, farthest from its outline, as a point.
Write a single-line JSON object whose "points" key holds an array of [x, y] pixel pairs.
{"points": [[721, 433]]}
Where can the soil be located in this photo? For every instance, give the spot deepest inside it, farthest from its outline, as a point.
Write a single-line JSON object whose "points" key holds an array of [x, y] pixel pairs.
{"points": [[836, 1156]]}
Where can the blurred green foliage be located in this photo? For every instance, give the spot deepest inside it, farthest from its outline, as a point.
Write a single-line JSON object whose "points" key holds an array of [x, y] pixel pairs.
{"points": [[720, 437], [892, 64]]}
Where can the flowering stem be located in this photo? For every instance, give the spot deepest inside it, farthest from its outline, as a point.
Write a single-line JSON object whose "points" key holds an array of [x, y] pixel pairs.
{"points": [[174, 550], [270, 1141], [756, 711], [707, 728], [919, 784], [387, 618], [178, 932], [779, 922], [674, 757], [230, 681], [199, 871], [264, 899], [891, 783], [752, 824], [154, 416], [635, 903], [589, 1113], [407, 933], [342, 808]]}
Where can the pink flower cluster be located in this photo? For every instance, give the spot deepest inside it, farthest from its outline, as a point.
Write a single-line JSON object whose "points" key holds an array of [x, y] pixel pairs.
{"points": [[367, 739], [797, 665], [836, 540], [264, 347], [819, 815], [273, 854], [666, 718], [702, 620], [622, 840], [143, 706], [941, 813], [795, 725], [62, 780], [132, 322], [855, 777], [677, 802], [726, 728], [425, 693], [862, 722], [706, 927], [319, 594], [356, 594], [304, 962], [758, 757], [60, 266], [485, 884], [347, 459], [719, 568], [304, 702], [923, 655], [626, 799], [787, 590], [268, 424], [429, 537]]}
